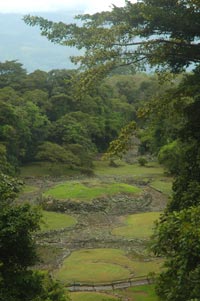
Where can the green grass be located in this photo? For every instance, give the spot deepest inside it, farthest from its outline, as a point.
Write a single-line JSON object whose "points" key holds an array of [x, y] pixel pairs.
{"points": [[143, 268], [102, 266], [56, 221], [80, 192], [40, 169], [102, 168], [163, 185], [90, 296], [152, 169], [138, 293], [137, 225], [95, 265]]}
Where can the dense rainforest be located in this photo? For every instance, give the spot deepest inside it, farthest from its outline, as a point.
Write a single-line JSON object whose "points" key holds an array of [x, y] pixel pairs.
{"points": [[70, 116], [41, 120]]}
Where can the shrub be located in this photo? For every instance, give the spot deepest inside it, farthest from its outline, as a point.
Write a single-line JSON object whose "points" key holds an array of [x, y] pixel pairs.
{"points": [[142, 161]]}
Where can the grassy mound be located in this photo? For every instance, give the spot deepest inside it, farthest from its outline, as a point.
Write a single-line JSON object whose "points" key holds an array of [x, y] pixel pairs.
{"points": [[56, 221], [102, 266], [137, 225], [80, 192], [87, 296]]}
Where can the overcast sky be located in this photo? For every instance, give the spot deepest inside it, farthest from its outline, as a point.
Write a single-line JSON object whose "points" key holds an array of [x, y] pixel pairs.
{"points": [[27, 6]]}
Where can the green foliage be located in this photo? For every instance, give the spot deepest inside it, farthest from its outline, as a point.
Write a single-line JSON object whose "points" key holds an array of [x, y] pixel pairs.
{"points": [[39, 98], [18, 223], [9, 188], [121, 145], [11, 74], [42, 108], [5, 166], [69, 130], [142, 161], [22, 127], [51, 290], [170, 156], [53, 152], [35, 286], [36, 80], [17, 251], [107, 47], [177, 239], [162, 118]]}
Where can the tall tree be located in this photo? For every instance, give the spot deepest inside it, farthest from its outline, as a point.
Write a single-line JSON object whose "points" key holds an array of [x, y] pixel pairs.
{"points": [[18, 223], [11, 74], [162, 33]]}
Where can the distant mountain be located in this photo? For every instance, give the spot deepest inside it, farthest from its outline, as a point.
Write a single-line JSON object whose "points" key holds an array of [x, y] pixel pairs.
{"points": [[25, 44]]}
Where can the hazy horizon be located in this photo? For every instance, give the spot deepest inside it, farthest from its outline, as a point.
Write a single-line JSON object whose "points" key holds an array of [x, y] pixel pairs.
{"points": [[37, 6]]}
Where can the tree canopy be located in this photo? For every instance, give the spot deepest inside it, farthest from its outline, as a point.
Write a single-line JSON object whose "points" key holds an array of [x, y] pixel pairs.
{"points": [[150, 32], [42, 109]]}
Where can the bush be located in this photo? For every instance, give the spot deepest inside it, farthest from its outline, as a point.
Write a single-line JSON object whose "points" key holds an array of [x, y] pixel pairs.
{"points": [[142, 161], [170, 156]]}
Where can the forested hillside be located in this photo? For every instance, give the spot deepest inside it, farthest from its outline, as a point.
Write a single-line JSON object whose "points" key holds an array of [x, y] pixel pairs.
{"points": [[41, 120]]}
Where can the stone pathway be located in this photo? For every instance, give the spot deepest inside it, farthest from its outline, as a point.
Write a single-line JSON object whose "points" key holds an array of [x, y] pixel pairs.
{"points": [[105, 287]]}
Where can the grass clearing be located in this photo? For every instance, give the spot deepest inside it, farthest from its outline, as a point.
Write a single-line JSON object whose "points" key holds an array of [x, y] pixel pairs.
{"points": [[102, 266], [56, 221], [138, 293], [143, 268], [163, 185], [95, 265], [80, 192], [41, 169], [90, 296], [152, 169], [137, 225]]}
